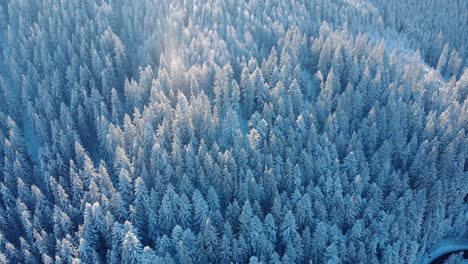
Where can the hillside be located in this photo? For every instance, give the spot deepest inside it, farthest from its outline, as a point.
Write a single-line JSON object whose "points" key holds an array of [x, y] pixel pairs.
{"points": [[207, 131]]}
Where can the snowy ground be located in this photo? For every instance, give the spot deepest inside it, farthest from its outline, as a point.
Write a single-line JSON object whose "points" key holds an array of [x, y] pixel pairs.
{"points": [[444, 247], [32, 143]]}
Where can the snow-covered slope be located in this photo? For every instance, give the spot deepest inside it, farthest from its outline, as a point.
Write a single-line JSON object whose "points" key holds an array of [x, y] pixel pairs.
{"points": [[307, 131]]}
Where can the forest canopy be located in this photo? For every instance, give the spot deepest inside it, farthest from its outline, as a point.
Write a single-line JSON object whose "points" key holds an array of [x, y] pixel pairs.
{"points": [[207, 131]]}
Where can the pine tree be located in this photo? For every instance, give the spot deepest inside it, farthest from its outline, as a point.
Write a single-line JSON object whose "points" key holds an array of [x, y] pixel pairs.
{"points": [[131, 249], [207, 242], [247, 91], [443, 59]]}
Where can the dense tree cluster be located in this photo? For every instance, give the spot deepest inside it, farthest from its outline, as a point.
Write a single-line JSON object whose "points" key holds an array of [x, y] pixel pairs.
{"points": [[231, 131]]}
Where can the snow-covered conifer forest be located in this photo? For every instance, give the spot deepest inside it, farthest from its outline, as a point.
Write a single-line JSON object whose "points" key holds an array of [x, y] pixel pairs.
{"points": [[232, 131]]}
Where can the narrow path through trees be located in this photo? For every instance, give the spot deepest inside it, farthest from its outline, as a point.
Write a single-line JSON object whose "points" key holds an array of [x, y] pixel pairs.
{"points": [[444, 249]]}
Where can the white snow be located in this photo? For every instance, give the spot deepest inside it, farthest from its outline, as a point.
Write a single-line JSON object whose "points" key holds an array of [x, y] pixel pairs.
{"points": [[443, 247], [364, 7], [32, 142]]}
